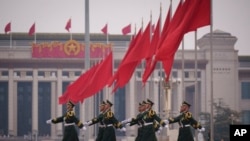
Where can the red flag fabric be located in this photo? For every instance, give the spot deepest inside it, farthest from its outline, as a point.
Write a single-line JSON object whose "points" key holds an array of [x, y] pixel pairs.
{"points": [[7, 28], [99, 79], [32, 30], [203, 17], [150, 65], [77, 86], [170, 44], [126, 29], [133, 58], [151, 62], [68, 25], [105, 29], [120, 70]]}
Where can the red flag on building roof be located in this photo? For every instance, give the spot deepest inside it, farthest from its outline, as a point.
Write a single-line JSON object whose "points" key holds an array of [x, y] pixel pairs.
{"points": [[126, 29], [68, 25], [105, 29], [32, 30], [7, 28]]}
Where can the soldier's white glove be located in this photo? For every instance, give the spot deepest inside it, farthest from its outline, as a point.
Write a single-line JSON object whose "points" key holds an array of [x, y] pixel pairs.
{"points": [[83, 128], [123, 129], [49, 121], [166, 126], [166, 121], [126, 121], [87, 123], [202, 129]]}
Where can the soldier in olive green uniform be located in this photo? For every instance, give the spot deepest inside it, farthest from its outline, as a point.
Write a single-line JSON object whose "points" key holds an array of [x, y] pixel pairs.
{"points": [[110, 122], [148, 133], [141, 109], [70, 120], [98, 119], [185, 121]]}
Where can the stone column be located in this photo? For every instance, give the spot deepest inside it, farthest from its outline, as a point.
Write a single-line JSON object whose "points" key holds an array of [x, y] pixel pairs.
{"points": [[35, 102]]}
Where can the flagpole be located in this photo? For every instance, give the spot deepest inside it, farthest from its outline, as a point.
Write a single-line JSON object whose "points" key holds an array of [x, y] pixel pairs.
{"points": [[211, 73], [195, 83], [35, 32], [10, 39], [87, 56]]}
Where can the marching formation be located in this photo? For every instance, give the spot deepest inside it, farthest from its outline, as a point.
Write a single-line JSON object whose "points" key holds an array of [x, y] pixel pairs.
{"points": [[147, 121]]}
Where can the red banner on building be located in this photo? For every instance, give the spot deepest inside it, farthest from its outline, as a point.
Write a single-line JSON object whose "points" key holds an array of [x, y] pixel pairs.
{"points": [[69, 49]]}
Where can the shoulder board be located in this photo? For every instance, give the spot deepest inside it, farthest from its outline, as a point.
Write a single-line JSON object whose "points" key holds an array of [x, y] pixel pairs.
{"points": [[188, 115], [109, 114], [70, 113]]}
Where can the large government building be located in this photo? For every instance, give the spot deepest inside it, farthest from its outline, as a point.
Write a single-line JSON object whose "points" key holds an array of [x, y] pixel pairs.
{"points": [[35, 72]]}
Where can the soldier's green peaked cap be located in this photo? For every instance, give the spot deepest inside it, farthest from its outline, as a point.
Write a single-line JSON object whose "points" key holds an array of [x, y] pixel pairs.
{"points": [[103, 103], [108, 102], [150, 102], [144, 102], [185, 103], [71, 103]]}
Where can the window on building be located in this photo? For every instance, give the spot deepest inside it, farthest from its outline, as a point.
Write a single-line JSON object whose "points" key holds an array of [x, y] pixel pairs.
{"points": [[4, 108], [246, 117], [245, 90]]}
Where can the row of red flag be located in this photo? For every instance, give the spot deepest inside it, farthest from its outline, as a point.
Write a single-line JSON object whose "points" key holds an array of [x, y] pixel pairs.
{"points": [[189, 16], [125, 30], [31, 30]]}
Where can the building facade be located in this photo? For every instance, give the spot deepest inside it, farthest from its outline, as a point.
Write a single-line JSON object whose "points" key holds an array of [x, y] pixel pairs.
{"points": [[30, 85]]}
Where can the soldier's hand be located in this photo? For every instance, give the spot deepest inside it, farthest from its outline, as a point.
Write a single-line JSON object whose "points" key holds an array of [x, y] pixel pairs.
{"points": [[123, 129], [201, 130], [83, 128], [166, 121], [165, 126], [49, 121]]}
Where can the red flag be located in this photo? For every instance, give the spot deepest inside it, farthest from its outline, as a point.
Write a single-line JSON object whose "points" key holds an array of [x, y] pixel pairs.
{"points": [[170, 44], [105, 29], [99, 79], [151, 62], [32, 30], [77, 86], [121, 71], [7, 28], [68, 25], [203, 18], [133, 58], [126, 29]]}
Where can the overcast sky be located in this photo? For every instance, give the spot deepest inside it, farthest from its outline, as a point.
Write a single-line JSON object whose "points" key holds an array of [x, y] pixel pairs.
{"points": [[51, 16]]}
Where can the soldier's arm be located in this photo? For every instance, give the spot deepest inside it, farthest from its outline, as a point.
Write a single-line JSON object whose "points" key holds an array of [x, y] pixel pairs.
{"points": [[153, 114], [57, 120], [174, 119], [193, 122], [96, 119]]}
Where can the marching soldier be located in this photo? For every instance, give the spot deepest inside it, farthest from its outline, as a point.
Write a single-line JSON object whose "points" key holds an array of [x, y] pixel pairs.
{"points": [[148, 127], [141, 109], [70, 120], [185, 121], [98, 119], [110, 122]]}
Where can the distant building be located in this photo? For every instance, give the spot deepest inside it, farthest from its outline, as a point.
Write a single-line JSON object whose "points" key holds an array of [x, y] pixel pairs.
{"points": [[32, 79]]}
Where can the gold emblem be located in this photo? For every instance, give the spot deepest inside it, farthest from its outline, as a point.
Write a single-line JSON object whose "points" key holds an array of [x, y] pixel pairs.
{"points": [[71, 47]]}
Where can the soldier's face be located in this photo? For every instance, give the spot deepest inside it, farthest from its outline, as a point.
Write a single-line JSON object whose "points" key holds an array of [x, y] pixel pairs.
{"points": [[183, 108], [69, 107], [102, 107]]}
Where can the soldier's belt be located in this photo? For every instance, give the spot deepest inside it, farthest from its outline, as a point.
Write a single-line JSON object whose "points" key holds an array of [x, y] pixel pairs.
{"points": [[102, 126], [109, 125], [148, 123], [69, 124], [187, 125]]}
